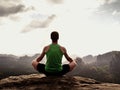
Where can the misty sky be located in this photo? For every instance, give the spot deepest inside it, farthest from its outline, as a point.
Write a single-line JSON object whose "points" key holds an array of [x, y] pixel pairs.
{"points": [[85, 26]]}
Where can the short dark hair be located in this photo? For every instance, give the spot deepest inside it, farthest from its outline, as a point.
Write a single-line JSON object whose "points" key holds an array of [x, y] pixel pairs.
{"points": [[54, 36]]}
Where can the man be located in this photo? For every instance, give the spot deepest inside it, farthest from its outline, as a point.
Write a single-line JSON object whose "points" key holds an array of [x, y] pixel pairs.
{"points": [[54, 53]]}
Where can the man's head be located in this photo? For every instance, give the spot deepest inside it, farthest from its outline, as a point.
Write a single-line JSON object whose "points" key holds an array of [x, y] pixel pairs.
{"points": [[54, 36]]}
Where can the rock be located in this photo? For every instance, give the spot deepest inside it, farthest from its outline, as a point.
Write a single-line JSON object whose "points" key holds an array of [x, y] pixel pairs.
{"points": [[40, 82]]}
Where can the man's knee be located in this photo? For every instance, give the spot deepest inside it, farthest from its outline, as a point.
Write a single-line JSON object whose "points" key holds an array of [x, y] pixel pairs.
{"points": [[34, 64], [72, 65]]}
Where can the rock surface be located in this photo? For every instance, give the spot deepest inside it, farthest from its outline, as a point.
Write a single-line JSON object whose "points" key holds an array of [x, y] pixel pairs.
{"points": [[40, 82]]}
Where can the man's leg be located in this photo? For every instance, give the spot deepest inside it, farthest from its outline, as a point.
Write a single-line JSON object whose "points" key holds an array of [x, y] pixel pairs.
{"points": [[35, 64], [39, 66], [72, 65], [68, 67]]}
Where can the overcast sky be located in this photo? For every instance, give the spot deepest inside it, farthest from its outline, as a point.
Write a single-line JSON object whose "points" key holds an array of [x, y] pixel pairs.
{"points": [[85, 26]]}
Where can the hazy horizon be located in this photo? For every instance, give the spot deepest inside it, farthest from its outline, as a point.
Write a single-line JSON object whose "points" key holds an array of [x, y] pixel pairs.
{"points": [[86, 27]]}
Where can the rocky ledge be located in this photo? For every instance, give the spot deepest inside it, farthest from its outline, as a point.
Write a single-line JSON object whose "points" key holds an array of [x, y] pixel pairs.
{"points": [[40, 82]]}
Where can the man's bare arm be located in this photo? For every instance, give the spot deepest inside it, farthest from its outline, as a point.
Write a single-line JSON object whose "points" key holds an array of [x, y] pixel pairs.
{"points": [[41, 56], [66, 55]]}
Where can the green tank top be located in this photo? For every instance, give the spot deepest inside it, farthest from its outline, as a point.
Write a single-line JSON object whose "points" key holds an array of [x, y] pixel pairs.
{"points": [[54, 58]]}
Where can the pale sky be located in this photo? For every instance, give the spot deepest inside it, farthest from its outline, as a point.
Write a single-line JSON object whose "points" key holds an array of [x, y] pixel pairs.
{"points": [[85, 26]]}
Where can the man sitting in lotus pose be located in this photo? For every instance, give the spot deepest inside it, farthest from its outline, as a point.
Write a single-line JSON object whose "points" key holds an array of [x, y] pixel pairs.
{"points": [[54, 53]]}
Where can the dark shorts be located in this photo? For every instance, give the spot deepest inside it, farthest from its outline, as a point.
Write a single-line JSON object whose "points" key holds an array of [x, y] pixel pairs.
{"points": [[41, 69]]}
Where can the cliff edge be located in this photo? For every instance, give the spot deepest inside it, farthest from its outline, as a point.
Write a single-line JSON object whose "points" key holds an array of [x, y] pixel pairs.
{"points": [[40, 82]]}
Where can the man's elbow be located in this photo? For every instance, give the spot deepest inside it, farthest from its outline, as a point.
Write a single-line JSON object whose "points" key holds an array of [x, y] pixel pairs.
{"points": [[70, 59]]}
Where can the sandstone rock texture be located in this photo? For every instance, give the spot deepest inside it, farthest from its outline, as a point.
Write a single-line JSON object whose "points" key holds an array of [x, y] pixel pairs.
{"points": [[40, 82]]}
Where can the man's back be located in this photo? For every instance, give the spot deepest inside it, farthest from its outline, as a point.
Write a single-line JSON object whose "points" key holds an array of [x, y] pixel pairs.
{"points": [[54, 58]]}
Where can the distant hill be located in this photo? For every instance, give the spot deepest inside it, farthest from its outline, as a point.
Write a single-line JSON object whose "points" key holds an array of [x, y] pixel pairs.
{"points": [[104, 67], [14, 65], [89, 59], [106, 58]]}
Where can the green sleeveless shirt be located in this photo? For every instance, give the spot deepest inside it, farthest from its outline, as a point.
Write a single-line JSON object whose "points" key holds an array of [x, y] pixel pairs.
{"points": [[54, 58]]}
